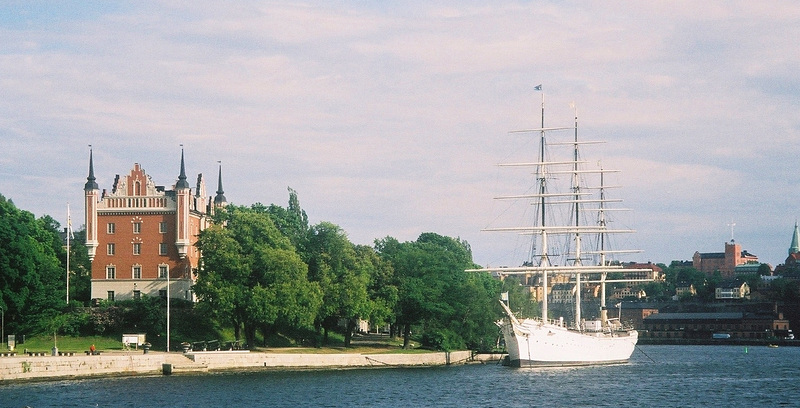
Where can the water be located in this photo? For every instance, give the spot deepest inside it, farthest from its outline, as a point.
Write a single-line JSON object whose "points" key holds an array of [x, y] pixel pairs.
{"points": [[664, 376]]}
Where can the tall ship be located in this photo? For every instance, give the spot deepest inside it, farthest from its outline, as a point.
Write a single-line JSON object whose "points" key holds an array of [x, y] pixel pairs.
{"points": [[570, 236]]}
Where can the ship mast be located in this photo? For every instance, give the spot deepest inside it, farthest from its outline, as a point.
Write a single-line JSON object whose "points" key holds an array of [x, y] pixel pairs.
{"points": [[603, 275], [542, 190], [576, 189]]}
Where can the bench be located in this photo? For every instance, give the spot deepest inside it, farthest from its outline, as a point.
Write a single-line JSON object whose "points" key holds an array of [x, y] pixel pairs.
{"points": [[92, 353]]}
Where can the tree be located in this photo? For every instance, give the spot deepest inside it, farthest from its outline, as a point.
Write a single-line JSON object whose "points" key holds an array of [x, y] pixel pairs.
{"points": [[80, 267], [382, 288], [292, 222], [251, 274], [342, 276], [32, 279], [451, 307], [786, 290], [764, 270], [657, 290], [520, 298]]}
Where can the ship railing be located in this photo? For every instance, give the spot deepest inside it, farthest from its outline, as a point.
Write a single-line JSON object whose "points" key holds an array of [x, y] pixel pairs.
{"points": [[555, 322]]}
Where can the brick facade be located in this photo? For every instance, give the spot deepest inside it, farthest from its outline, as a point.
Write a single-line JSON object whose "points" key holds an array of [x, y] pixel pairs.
{"points": [[140, 236], [724, 262]]}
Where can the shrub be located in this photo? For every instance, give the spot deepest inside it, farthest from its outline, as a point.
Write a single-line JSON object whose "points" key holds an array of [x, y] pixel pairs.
{"points": [[442, 339]]}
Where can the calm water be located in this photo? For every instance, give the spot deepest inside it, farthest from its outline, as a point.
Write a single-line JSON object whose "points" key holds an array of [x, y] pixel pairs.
{"points": [[666, 376]]}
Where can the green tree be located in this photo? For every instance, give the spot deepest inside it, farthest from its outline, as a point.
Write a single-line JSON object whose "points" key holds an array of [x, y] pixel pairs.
{"points": [[520, 298], [32, 279], [292, 222], [343, 277], [786, 290], [80, 268], [764, 270], [451, 308], [657, 290], [251, 275], [382, 288]]}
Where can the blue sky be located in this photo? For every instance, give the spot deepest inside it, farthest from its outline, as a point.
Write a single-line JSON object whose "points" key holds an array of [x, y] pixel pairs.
{"points": [[389, 120]]}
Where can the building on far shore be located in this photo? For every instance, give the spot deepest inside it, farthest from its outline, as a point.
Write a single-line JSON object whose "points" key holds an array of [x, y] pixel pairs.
{"points": [[141, 236], [633, 313], [790, 269], [724, 262], [737, 325], [732, 289]]}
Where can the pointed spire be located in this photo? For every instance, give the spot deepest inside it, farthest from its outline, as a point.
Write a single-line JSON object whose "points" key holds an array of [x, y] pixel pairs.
{"points": [[220, 197], [795, 246], [182, 183], [91, 184]]}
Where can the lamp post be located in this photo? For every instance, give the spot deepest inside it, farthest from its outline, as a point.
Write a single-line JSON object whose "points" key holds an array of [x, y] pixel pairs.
{"points": [[3, 325], [168, 311]]}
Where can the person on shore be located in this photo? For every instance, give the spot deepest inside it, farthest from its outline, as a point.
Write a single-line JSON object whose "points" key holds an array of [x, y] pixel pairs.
{"points": [[92, 349]]}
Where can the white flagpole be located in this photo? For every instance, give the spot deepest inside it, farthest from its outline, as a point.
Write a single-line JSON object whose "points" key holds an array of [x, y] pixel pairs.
{"points": [[168, 310]]}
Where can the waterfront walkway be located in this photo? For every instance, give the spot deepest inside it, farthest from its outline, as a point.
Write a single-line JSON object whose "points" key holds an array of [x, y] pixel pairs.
{"points": [[130, 363]]}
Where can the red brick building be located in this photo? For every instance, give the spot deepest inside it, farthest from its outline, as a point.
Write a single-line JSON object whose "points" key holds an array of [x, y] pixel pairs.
{"points": [[724, 262], [140, 236]]}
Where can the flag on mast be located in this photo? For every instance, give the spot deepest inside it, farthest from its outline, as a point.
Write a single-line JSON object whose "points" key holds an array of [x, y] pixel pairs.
{"points": [[537, 87], [69, 224]]}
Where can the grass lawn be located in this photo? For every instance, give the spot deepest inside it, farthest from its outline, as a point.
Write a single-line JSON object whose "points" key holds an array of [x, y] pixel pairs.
{"points": [[365, 345], [69, 344]]}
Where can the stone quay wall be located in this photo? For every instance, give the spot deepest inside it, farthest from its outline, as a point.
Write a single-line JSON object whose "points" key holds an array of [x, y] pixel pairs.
{"points": [[25, 367], [44, 367], [223, 360]]}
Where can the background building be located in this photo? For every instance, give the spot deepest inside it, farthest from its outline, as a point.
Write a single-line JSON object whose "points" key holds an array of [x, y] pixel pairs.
{"points": [[737, 325], [141, 236], [724, 262]]}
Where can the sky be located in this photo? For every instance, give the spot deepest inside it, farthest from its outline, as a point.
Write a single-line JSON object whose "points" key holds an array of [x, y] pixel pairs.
{"points": [[388, 118]]}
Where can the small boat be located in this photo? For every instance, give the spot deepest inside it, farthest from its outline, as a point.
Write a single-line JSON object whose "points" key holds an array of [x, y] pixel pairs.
{"points": [[772, 345], [560, 252]]}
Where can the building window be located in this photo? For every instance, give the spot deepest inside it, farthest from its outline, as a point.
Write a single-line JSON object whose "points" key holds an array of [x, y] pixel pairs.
{"points": [[137, 248], [137, 272], [137, 227], [111, 249], [137, 295], [111, 228], [110, 295], [111, 272], [162, 227], [162, 248], [162, 271]]}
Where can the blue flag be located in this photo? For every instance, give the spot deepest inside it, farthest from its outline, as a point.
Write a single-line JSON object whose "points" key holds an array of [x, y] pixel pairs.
{"points": [[537, 87]]}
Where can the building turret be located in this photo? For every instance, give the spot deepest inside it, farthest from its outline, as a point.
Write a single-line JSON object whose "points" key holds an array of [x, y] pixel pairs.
{"points": [[91, 195], [182, 241], [182, 183], [219, 199], [795, 246]]}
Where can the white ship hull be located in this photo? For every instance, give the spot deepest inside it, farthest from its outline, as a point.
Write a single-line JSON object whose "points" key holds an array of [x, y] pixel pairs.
{"points": [[532, 343]]}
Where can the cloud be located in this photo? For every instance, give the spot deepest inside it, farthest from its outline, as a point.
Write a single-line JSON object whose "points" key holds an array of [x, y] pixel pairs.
{"points": [[388, 118]]}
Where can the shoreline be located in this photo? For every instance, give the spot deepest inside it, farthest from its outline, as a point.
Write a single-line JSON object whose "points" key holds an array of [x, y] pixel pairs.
{"points": [[714, 342], [21, 368]]}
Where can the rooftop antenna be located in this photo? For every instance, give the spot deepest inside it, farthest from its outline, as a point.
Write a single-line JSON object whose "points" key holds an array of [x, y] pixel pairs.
{"points": [[732, 224]]}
